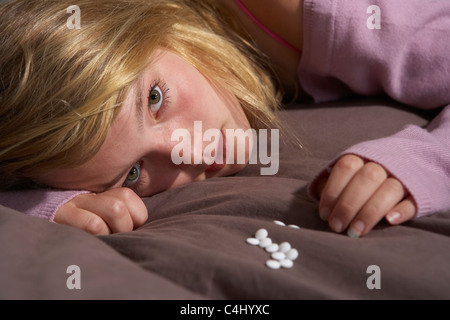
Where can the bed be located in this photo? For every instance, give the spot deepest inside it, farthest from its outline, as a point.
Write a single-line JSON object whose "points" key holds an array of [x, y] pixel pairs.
{"points": [[195, 242]]}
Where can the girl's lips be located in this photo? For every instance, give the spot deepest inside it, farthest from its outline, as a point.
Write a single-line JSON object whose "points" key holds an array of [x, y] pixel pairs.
{"points": [[217, 166]]}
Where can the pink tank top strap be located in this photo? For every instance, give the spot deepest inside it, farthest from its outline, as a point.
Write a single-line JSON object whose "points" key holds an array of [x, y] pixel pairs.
{"points": [[263, 27]]}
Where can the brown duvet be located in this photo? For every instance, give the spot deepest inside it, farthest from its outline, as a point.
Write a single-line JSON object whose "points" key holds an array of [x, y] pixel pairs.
{"points": [[194, 243]]}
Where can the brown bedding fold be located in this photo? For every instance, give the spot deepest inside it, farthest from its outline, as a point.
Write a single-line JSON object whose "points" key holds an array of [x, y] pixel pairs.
{"points": [[194, 244]]}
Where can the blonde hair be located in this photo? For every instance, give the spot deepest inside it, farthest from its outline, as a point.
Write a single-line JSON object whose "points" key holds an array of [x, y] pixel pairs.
{"points": [[60, 88]]}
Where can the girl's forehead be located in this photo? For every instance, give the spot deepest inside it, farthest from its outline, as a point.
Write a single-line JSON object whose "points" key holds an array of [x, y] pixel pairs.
{"points": [[115, 156]]}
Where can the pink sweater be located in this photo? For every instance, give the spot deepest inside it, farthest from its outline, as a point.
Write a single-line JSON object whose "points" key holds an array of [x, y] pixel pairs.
{"points": [[407, 58]]}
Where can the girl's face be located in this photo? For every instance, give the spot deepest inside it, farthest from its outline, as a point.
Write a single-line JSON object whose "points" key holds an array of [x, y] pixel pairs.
{"points": [[137, 153]]}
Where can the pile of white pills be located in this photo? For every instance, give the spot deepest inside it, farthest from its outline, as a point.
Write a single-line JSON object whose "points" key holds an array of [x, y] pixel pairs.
{"points": [[281, 255]]}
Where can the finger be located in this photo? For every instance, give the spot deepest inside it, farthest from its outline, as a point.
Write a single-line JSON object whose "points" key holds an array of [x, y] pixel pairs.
{"points": [[402, 212], [82, 219], [356, 194], [110, 208], [388, 195], [122, 209], [136, 207], [340, 175]]}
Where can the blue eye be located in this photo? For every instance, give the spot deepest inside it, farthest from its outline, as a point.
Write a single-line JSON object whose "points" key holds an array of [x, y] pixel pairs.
{"points": [[155, 99], [133, 176]]}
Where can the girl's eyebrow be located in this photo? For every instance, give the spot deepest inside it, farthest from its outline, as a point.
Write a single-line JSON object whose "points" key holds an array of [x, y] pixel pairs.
{"points": [[113, 182], [138, 104]]}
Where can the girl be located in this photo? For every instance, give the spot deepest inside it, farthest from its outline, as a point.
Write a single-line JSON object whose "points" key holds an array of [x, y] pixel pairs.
{"points": [[110, 93]]}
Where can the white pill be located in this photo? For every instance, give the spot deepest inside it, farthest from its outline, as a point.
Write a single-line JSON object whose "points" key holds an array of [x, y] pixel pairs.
{"points": [[272, 248], [261, 234], [253, 241], [278, 222], [265, 242], [286, 263], [292, 254], [278, 256], [294, 226], [284, 247], [273, 264]]}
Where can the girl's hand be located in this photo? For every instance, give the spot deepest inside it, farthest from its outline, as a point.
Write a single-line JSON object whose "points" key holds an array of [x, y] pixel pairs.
{"points": [[115, 210], [358, 194]]}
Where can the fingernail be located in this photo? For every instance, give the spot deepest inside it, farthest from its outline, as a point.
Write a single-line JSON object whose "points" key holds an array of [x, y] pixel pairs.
{"points": [[392, 217], [324, 213], [356, 229], [336, 225]]}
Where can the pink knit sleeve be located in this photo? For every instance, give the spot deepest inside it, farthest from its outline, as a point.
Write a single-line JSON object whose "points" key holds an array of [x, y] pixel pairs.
{"points": [[407, 57], [41, 203], [419, 158]]}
